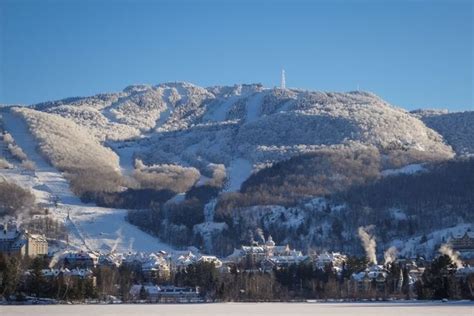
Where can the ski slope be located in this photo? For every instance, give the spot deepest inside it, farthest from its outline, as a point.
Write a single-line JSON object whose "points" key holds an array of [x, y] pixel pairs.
{"points": [[238, 171], [90, 227]]}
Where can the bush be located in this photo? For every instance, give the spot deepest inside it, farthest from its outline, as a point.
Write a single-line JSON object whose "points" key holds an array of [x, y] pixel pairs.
{"points": [[17, 152], [4, 164], [69, 147], [15, 200], [28, 165], [171, 177]]}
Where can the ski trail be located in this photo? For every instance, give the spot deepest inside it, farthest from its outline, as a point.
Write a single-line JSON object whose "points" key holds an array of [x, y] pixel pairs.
{"points": [[90, 227]]}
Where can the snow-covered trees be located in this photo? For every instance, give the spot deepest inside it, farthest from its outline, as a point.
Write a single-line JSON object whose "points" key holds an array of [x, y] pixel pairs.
{"points": [[456, 128], [17, 152], [4, 164], [197, 126], [15, 200], [171, 177], [69, 147]]}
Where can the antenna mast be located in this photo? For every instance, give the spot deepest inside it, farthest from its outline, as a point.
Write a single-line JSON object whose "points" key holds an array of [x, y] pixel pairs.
{"points": [[283, 79]]}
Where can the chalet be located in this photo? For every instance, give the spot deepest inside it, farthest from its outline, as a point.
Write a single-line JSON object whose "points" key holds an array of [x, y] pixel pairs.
{"points": [[372, 278], [181, 259], [156, 266], [334, 259]]}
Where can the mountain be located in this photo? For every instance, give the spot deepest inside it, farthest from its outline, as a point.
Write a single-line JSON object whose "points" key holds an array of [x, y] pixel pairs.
{"points": [[225, 154], [456, 128], [242, 126]]}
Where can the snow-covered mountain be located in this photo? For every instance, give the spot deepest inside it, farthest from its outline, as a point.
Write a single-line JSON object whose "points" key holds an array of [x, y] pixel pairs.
{"points": [[179, 136], [242, 127], [456, 128]]}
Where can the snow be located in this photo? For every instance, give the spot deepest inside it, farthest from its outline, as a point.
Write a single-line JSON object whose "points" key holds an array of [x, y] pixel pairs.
{"points": [[409, 169], [91, 227], [164, 116], [195, 126], [254, 107], [273, 214], [220, 110], [209, 210], [434, 239], [394, 308], [178, 198], [238, 171], [126, 157]]}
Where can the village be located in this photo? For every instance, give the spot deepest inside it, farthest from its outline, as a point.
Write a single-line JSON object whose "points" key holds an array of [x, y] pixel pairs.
{"points": [[165, 277]]}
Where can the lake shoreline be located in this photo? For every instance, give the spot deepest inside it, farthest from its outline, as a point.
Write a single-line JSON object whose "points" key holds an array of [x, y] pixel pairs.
{"points": [[51, 302]]}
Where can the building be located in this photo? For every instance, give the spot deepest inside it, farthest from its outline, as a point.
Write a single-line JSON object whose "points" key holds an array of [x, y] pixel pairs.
{"points": [[20, 242], [110, 260], [80, 259], [266, 256], [165, 294], [465, 246], [335, 260], [181, 259], [279, 262], [373, 277], [156, 266]]}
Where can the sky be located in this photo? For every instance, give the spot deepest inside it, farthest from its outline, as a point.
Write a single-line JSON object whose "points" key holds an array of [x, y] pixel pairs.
{"points": [[414, 54]]}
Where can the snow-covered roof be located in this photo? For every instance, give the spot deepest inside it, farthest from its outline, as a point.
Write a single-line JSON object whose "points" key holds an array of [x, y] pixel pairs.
{"points": [[370, 273]]}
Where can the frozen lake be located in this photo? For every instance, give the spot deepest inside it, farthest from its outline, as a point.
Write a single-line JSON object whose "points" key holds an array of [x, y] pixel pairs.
{"points": [[231, 309]]}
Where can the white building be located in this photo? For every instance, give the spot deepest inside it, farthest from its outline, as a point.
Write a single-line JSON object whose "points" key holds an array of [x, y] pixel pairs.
{"points": [[334, 259]]}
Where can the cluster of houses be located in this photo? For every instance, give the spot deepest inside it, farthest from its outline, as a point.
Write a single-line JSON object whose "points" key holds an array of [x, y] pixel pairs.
{"points": [[375, 277], [264, 256]]}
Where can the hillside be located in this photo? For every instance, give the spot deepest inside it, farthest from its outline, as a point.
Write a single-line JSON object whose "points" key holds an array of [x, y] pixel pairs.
{"points": [[456, 128], [242, 158], [244, 127]]}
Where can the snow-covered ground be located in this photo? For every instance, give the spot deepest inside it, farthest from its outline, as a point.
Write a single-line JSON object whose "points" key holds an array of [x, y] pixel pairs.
{"points": [[254, 107], [413, 246], [462, 308], [219, 112], [125, 151], [90, 227], [238, 171], [408, 169]]}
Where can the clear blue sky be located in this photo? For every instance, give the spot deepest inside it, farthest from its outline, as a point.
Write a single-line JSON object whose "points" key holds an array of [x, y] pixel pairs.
{"points": [[412, 53]]}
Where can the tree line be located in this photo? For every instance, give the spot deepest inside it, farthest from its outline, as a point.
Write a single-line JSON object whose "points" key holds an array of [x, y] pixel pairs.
{"points": [[295, 282]]}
